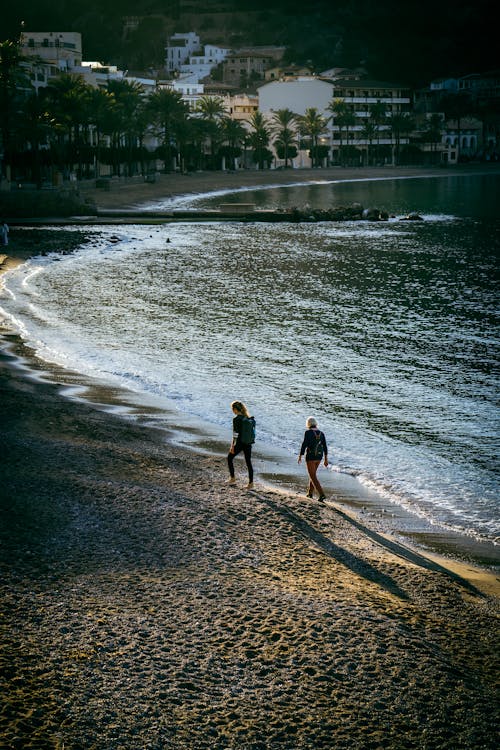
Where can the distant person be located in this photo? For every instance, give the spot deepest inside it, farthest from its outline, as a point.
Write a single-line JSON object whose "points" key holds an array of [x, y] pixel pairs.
{"points": [[4, 233], [315, 447], [243, 438]]}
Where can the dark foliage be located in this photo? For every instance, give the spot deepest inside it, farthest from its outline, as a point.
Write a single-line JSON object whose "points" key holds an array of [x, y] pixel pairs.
{"points": [[414, 41]]}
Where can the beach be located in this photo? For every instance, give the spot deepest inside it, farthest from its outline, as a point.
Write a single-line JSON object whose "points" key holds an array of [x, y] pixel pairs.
{"points": [[128, 193], [148, 604]]}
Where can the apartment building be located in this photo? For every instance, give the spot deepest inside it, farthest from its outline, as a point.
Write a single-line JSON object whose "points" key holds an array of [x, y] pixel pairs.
{"points": [[359, 97]]}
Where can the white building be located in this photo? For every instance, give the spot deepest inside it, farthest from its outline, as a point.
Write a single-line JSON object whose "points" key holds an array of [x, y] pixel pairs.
{"points": [[297, 94], [189, 88], [97, 75], [50, 53], [179, 49], [359, 96], [202, 65], [60, 49]]}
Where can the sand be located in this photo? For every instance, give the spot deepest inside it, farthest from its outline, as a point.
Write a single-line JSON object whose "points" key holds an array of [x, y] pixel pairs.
{"points": [[147, 604], [133, 192]]}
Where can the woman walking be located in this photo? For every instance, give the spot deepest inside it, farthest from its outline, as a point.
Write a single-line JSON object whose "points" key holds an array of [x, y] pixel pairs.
{"points": [[243, 437], [315, 447]]}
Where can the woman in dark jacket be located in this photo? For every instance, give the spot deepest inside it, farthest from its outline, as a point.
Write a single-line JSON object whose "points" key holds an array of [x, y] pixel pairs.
{"points": [[243, 437], [315, 447]]}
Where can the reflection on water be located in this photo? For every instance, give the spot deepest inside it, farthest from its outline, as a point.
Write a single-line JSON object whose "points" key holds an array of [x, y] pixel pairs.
{"points": [[386, 332], [459, 196]]}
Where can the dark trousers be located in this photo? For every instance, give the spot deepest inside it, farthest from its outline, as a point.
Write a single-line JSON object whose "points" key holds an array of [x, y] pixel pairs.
{"points": [[247, 452]]}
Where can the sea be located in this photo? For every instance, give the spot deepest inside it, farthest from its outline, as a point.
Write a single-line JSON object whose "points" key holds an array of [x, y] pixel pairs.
{"points": [[386, 332]]}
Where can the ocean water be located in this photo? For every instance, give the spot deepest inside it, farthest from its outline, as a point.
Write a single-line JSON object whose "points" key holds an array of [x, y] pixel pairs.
{"points": [[386, 332]]}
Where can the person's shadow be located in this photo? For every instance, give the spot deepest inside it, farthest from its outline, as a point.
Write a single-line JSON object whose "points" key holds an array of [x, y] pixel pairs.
{"points": [[357, 564]]}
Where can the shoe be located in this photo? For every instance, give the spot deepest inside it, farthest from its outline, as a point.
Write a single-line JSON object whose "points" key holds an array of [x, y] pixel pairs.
{"points": [[250, 486], [321, 498], [232, 480], [309, 495]]}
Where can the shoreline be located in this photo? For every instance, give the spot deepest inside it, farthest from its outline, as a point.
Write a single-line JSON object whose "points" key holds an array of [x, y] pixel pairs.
{"points": [[391, 518], [129, 194], [147, 604]]}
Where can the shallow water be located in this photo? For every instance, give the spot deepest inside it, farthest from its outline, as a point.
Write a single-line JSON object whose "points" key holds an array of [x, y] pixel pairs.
{"points": [[387, 332]]}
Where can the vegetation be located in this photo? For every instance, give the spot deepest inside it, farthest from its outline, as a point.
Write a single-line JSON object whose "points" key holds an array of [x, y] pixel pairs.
{"points": [[416, 41]]}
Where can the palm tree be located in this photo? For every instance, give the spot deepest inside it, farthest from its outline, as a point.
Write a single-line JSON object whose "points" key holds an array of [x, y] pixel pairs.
{"points": [[212, 111], [170, 114], [35, 127], [368, 133], [456, 107], [313, 125], [234, 135], [344, 118], [259, 139], [69, 98], [102, 109], [12, 83], [378, 117], [128, 96], [433, 133], [284, 128], [400, 123]]}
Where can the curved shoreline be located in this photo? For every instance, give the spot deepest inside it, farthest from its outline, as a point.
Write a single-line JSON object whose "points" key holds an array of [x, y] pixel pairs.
{"points": [[128, 194], [146, 604]]}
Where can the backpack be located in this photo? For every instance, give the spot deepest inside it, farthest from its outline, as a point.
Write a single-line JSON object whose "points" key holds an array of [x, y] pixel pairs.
{"points": [[316, 450], [247, 434]]}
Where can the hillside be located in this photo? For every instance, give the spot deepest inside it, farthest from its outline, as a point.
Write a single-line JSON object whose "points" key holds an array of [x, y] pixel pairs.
{"points": [[414, 41]]}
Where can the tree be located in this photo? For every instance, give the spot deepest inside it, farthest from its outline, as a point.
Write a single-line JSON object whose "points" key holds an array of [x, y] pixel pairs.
{"points": [[284, 124], [400, 124], [35, 128], [234, 135], [69, 102], [12, 83], [212, 111], [456, 107], [102, 109], [128, 97], [259, 139], [169, 112], [368, 133], [312, 125], [343, 118], [433, 133], [378, 117]]}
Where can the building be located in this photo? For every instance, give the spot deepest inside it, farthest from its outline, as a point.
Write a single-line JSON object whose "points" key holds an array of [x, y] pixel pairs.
{"points": [[59, 49], [370, 136], [280, 72], [179, 49], [296, 94], [202, 65], [359, 97], [50, 53], [245, 67], [241, 107]]}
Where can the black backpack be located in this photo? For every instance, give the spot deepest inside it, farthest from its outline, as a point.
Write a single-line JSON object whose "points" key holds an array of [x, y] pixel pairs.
{"points": [[247, 434], [316, 450]]}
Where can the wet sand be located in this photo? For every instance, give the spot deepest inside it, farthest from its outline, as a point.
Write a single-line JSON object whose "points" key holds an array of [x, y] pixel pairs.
{"points": [[147, 604]]}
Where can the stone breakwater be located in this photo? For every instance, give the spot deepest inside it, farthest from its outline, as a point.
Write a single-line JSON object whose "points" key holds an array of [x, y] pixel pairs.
{"points": [[229, 212]]}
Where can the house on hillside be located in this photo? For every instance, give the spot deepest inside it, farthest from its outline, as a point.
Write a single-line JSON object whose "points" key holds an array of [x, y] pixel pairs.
{"points": [[179, 49], [244, 67]]}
